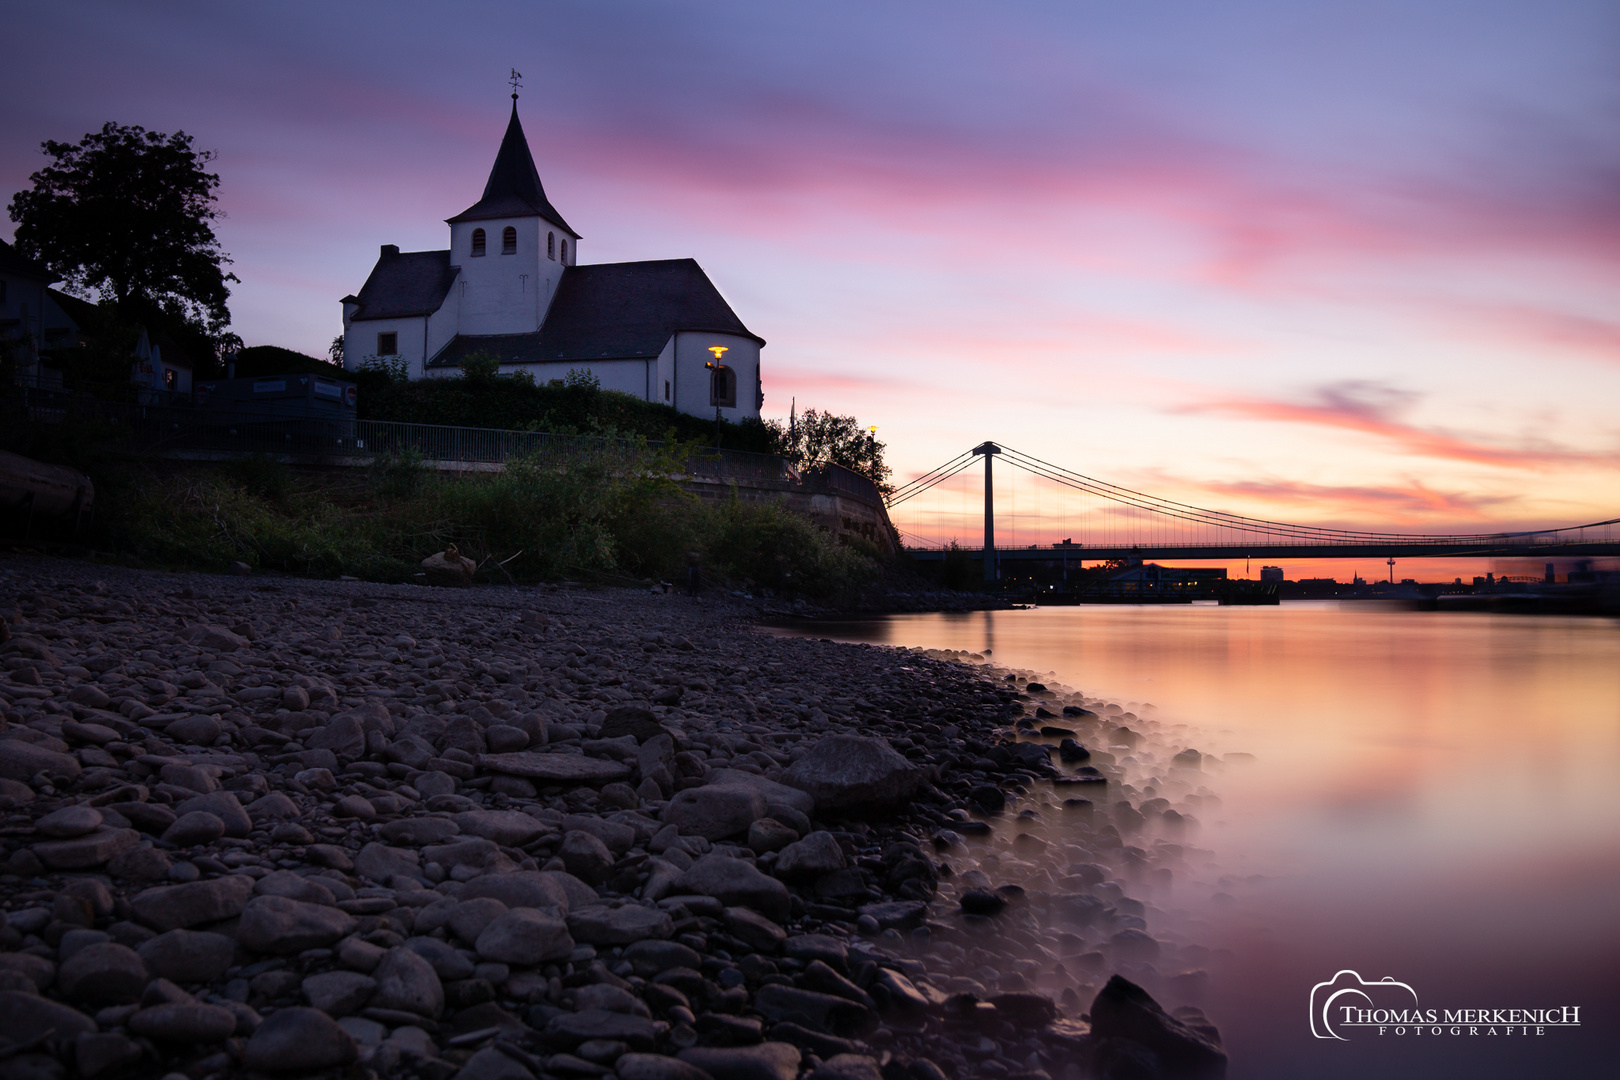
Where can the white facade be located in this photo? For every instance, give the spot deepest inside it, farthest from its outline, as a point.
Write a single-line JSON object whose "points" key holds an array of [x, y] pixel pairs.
{"points": [[510, 286]]}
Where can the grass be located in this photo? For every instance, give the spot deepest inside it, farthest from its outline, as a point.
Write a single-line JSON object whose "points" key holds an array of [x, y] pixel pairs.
{"points": [[612, 514]]}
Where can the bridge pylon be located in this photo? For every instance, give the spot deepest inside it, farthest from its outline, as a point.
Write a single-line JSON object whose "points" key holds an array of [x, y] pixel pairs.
{"points": [[992, 568]]}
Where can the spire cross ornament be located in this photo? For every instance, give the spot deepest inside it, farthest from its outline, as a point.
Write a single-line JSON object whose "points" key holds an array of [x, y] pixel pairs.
{"points": [[516, 80]]}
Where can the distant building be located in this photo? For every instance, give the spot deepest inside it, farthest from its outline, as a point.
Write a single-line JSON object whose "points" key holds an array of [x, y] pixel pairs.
{"points": [[510, 286], [1271, 573]]}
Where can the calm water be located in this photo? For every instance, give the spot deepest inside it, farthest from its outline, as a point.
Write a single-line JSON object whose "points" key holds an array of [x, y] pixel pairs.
{"points": [[1433, 798]]}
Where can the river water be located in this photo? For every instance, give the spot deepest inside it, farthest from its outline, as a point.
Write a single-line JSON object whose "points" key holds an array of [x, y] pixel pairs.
{"points": [[1432, 798]]}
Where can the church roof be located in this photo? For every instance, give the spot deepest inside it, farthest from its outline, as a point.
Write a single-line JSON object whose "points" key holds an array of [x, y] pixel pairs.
{"points": [[612, 311], [514, 188], [405, 284]]}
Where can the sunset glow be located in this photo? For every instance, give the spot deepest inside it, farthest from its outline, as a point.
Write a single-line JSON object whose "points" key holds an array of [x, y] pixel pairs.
{"points": [[1340, 263]]}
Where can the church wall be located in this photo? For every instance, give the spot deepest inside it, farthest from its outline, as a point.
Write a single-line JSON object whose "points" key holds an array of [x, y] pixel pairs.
{"points": [[503, 294], [663, 388], [442, 325], [360, 342], [626, 376], [691, 377]]}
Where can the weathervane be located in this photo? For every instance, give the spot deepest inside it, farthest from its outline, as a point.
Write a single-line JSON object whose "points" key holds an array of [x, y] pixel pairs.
{"points": [[516, 80]]}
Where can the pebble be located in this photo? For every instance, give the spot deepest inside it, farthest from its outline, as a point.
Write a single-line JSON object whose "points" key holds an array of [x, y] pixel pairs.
{"points": [[616, 832]]}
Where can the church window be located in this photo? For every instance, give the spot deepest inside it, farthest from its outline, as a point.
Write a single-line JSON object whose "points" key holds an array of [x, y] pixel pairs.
{"points": [[723, 386], [551, 245], [478, 242], [666, 389], [509, 241], [564, 251], [388, 344]]}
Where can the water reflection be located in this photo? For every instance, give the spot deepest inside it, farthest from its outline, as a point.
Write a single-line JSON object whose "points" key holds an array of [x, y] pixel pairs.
{"points": [[1430, 796]]}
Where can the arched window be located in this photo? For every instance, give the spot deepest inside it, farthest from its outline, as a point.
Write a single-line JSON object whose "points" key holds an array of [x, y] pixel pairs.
{"points": [[509, 241], [551, 245], [478, 242], [563, 251], [723, 386]]}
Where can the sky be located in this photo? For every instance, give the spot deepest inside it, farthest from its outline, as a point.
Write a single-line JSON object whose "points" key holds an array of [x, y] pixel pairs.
{"points": [[1349, 263]]}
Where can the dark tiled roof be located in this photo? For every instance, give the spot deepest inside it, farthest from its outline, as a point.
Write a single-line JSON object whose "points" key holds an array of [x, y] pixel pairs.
{"points": [[406, 283], [514, 188], [612, 311], [13, 263], [80, 311]]}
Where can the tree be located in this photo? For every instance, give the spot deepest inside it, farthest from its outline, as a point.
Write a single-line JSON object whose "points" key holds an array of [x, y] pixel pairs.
{"points": [[126, 215], [821, 438]]}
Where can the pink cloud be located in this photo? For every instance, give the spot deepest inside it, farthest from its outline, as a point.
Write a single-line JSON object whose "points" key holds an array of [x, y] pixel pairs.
{"points": [[1369, 408]]}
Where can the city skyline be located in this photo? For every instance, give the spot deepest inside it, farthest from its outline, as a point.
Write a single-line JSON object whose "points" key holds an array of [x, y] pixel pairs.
{"points": [[1352, 265]]}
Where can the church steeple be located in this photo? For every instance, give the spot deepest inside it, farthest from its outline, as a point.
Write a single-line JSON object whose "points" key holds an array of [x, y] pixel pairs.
{"points": [[514, 188]]}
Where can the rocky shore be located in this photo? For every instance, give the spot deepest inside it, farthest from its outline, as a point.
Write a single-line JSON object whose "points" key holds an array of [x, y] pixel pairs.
{"points": [[311, 828]]}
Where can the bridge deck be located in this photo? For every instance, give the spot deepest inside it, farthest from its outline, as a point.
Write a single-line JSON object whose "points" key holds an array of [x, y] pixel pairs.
{"points": [[1228, 553]]}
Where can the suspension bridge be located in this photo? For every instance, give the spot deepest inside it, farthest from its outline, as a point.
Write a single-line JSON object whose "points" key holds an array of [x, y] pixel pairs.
{"points": [[1116, 522]]}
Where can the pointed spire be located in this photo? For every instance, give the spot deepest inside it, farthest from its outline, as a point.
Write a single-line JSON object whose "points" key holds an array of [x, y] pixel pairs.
{"points": [[514, 188]]}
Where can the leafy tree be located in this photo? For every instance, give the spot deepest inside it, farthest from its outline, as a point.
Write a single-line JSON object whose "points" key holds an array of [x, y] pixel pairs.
{"points": [[126, 215], [820, 438]]}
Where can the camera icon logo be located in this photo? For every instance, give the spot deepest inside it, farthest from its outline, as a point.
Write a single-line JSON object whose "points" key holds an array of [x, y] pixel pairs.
{"points": [[1348, 1001]]}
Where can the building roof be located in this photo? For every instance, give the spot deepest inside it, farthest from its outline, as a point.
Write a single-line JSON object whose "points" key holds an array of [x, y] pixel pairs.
{"points": [[612, 311], [13, 263], [405, 284], [514, 188], [80, 311]]}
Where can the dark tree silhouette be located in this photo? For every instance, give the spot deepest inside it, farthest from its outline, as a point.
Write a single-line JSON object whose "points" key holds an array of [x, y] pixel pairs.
{"points": [[126, 215], [820, 438]]}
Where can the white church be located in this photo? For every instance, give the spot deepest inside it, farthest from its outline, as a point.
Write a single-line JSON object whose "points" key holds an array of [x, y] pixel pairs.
{"points": [[510, 286]]}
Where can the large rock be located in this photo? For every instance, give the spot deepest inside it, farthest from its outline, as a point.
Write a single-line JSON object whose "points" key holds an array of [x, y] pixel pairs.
{"points": [[21, 760], [449, 567], [848, 1067], [216, 639], [735, 882], [281, 925], [527, 889], [656, 1067], [24, 1017], [68, 822], [854, 774], [586, 857], [84, 852], [509, 828], [379, 862], [184, 1022], [524, 937], [602, 925], [827, 1012], [555, 768], [177, 907], [714, 813], [767, 1061], [188, 956], [631, 720], [103, 974], [803, 861], [571, 1029], [774, 794], [407, 982], [1122, 1010], [298, 1040], [339, 993]]}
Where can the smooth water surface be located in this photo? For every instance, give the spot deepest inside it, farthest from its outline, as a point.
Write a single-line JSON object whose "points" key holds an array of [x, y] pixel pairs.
{"points": [[1432, 797]]}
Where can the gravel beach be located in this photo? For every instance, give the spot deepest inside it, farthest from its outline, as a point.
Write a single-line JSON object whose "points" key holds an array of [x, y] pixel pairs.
{"points": [[291, 827]]}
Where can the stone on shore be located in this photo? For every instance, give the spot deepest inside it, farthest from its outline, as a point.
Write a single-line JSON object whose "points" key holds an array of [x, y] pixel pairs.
{"points": [[854, 775], [300, 1040]]}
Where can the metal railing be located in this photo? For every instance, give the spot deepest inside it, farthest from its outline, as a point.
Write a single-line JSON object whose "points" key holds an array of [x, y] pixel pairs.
{"points": [[183, 431]]}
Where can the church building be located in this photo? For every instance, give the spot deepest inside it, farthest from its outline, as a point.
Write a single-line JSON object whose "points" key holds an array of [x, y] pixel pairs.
{"points": [[510, 286]]}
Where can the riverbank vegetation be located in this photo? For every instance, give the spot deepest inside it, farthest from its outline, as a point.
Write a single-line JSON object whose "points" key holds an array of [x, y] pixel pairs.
{"points": [[611, 516]]}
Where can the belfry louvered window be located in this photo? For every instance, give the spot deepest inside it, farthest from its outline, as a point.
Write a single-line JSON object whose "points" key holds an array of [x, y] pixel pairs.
{"points": [[509, 241], [478, 242]]}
